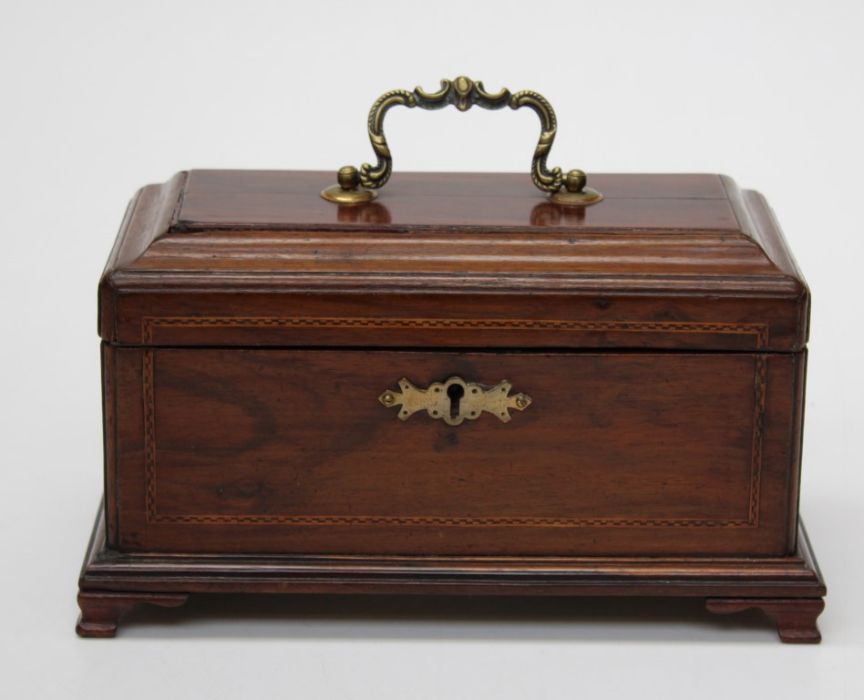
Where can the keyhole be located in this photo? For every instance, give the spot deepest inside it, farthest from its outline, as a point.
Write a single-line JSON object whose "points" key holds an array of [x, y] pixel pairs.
{"points": [[455, 392]]}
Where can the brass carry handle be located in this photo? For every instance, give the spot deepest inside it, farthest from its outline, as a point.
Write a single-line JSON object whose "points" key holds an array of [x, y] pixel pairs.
{"points": [[455, 400], [358, 186]]}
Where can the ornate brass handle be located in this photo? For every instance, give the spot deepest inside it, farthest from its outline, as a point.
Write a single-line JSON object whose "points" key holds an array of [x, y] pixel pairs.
{"points": [[357, 187], [455, 400]]}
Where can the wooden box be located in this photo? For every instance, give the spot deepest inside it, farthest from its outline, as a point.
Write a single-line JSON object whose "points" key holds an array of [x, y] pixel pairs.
{"points": [[461, 388]]}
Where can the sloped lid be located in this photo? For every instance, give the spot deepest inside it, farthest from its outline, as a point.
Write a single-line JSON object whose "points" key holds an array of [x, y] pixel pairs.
{"points": [[259, 258]]}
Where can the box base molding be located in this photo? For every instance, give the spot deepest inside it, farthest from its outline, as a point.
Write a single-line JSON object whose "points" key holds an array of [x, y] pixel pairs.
{"points": [[787, 589]]}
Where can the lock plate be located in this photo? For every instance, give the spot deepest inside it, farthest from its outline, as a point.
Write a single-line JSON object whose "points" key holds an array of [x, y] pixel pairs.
{"points": [[455, 400]]}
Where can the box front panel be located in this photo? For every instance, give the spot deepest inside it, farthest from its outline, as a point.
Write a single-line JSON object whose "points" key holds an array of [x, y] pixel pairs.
{"points": [[290, 451]]}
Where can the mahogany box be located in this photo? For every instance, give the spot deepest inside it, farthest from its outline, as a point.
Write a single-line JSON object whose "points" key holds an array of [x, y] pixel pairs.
{"points": [[459, 387]]}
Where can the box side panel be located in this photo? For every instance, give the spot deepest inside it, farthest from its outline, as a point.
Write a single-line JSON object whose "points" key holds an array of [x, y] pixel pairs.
{"points": [[126, 498], [281, 451], [796, 439], [109, 441]]}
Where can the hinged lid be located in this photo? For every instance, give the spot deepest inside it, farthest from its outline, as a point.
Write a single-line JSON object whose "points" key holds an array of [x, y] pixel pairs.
{"points": [[452, 260]]}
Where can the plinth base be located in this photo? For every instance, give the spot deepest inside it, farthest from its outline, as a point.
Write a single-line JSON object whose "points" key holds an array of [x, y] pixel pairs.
{"points": [[787, 589]]}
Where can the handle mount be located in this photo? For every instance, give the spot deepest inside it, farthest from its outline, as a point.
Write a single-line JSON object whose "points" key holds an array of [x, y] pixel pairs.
{"points": [[359, 186]]}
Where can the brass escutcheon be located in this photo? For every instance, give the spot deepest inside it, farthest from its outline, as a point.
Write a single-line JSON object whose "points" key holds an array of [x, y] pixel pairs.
{"points": [[455, 400]]}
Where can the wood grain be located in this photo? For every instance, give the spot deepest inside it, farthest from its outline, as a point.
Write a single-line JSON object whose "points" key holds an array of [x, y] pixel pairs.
{"points": [[279, 450], [289, 199]]}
